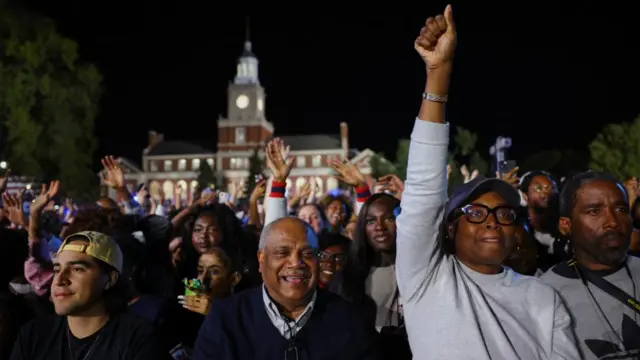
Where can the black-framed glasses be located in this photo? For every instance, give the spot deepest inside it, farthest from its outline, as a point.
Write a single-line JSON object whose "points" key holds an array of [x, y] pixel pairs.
{"points": [[478, 213], [327, 256]]}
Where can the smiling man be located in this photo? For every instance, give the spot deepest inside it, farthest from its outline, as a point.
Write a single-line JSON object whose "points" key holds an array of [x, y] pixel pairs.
{"points": [[87, 294], [286, 317]]}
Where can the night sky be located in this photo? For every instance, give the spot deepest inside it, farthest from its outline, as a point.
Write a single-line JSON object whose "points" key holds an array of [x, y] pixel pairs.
{"points": [[549, 77]]}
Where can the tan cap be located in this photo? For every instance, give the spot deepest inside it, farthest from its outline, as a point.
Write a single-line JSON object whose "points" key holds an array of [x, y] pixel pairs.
{"points": [[101, 247]]}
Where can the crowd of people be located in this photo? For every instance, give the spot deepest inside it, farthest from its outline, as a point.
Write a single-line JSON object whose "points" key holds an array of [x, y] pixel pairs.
{"points": [[507, 267]]}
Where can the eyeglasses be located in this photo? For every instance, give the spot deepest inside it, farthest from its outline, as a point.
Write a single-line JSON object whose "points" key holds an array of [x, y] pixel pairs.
{"points": [[327, 256], [477, 214], [539, 188]]}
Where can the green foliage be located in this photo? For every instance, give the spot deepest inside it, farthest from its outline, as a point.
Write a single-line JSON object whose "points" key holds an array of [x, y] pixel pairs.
{"points": [[464, 143], [616, 149], [48, 102], [206, 177], [380, 166], [402, 158], [256, 167]]}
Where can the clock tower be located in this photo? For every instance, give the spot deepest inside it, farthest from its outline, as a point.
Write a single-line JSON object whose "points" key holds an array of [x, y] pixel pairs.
{"points": [[246, 126]]}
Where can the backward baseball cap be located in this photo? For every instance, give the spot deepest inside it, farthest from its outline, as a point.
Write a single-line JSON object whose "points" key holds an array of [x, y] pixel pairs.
{"points": [[101, 247]]}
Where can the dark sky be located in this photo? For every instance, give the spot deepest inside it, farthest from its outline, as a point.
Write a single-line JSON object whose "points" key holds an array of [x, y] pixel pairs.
{"points": [[549, 77]]}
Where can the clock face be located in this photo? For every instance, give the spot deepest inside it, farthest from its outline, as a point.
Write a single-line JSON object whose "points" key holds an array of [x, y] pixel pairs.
{"points": [[260, 104], [242, 101]]}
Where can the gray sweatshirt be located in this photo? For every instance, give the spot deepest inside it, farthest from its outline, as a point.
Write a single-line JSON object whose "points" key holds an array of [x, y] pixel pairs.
{"points": [[614, 332], [451, 311]]}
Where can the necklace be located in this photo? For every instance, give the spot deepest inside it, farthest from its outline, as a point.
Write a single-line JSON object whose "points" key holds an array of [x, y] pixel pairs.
{"points": [[90, 348]]}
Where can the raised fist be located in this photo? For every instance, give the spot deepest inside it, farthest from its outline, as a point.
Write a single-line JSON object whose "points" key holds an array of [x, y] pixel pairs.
{"points": [[437, 41]]}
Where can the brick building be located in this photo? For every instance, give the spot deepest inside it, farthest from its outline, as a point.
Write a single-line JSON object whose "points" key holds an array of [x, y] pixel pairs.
{"points": [[169, 164]]}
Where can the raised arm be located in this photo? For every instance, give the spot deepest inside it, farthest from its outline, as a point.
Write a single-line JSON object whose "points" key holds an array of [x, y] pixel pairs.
{"points": [[425, 190], [280, 167]]}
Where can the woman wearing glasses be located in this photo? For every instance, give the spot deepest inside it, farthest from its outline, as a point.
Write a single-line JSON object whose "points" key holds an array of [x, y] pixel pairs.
{"points": [[459, 301], [332, 256]]}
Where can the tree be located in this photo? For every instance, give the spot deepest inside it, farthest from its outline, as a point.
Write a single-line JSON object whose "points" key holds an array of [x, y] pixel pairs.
{"points": [[464, 153], [464, 143], [206, 177], [616, 149], [402, 158], [48, 102], [256, 167], [380, 166]]}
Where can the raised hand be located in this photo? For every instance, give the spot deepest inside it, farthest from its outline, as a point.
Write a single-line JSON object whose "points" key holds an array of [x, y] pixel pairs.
{"points": [[46, 195], [13, 206], [437, 41], [392, 183], [258, 191], [278, 160], [112, 176], [207, 197], [4, 179], [348, 172], [305, 190], [511, 177], [474, 174]]}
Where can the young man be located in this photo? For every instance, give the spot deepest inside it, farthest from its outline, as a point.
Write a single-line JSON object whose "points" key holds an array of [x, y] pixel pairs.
{"points": [[87, 294]]}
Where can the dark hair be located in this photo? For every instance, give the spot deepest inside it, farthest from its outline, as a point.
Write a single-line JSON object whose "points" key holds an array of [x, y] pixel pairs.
{"points": [[361, 255], [50, 223], [526, 179], [572, 185], [348, 209], [134, 267], [232, 265], [116, 297], [327, 239], [91, 218], [235, 244]]}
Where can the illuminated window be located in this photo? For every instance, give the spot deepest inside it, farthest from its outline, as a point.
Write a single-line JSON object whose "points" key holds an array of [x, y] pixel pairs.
{"points": [[195, 164], [301, 161], [182, 165], [168, 165], [317, 160], [240, 135]]}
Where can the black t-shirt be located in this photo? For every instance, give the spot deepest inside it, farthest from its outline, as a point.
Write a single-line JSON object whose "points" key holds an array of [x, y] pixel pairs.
{"points": [[124, 337]]}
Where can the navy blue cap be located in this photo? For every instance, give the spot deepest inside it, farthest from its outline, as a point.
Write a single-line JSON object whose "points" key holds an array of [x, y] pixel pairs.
{"points": [[482, 185]]}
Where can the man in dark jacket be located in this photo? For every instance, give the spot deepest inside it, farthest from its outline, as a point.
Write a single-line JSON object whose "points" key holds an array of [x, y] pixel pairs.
{"points": [[286, 317]]}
